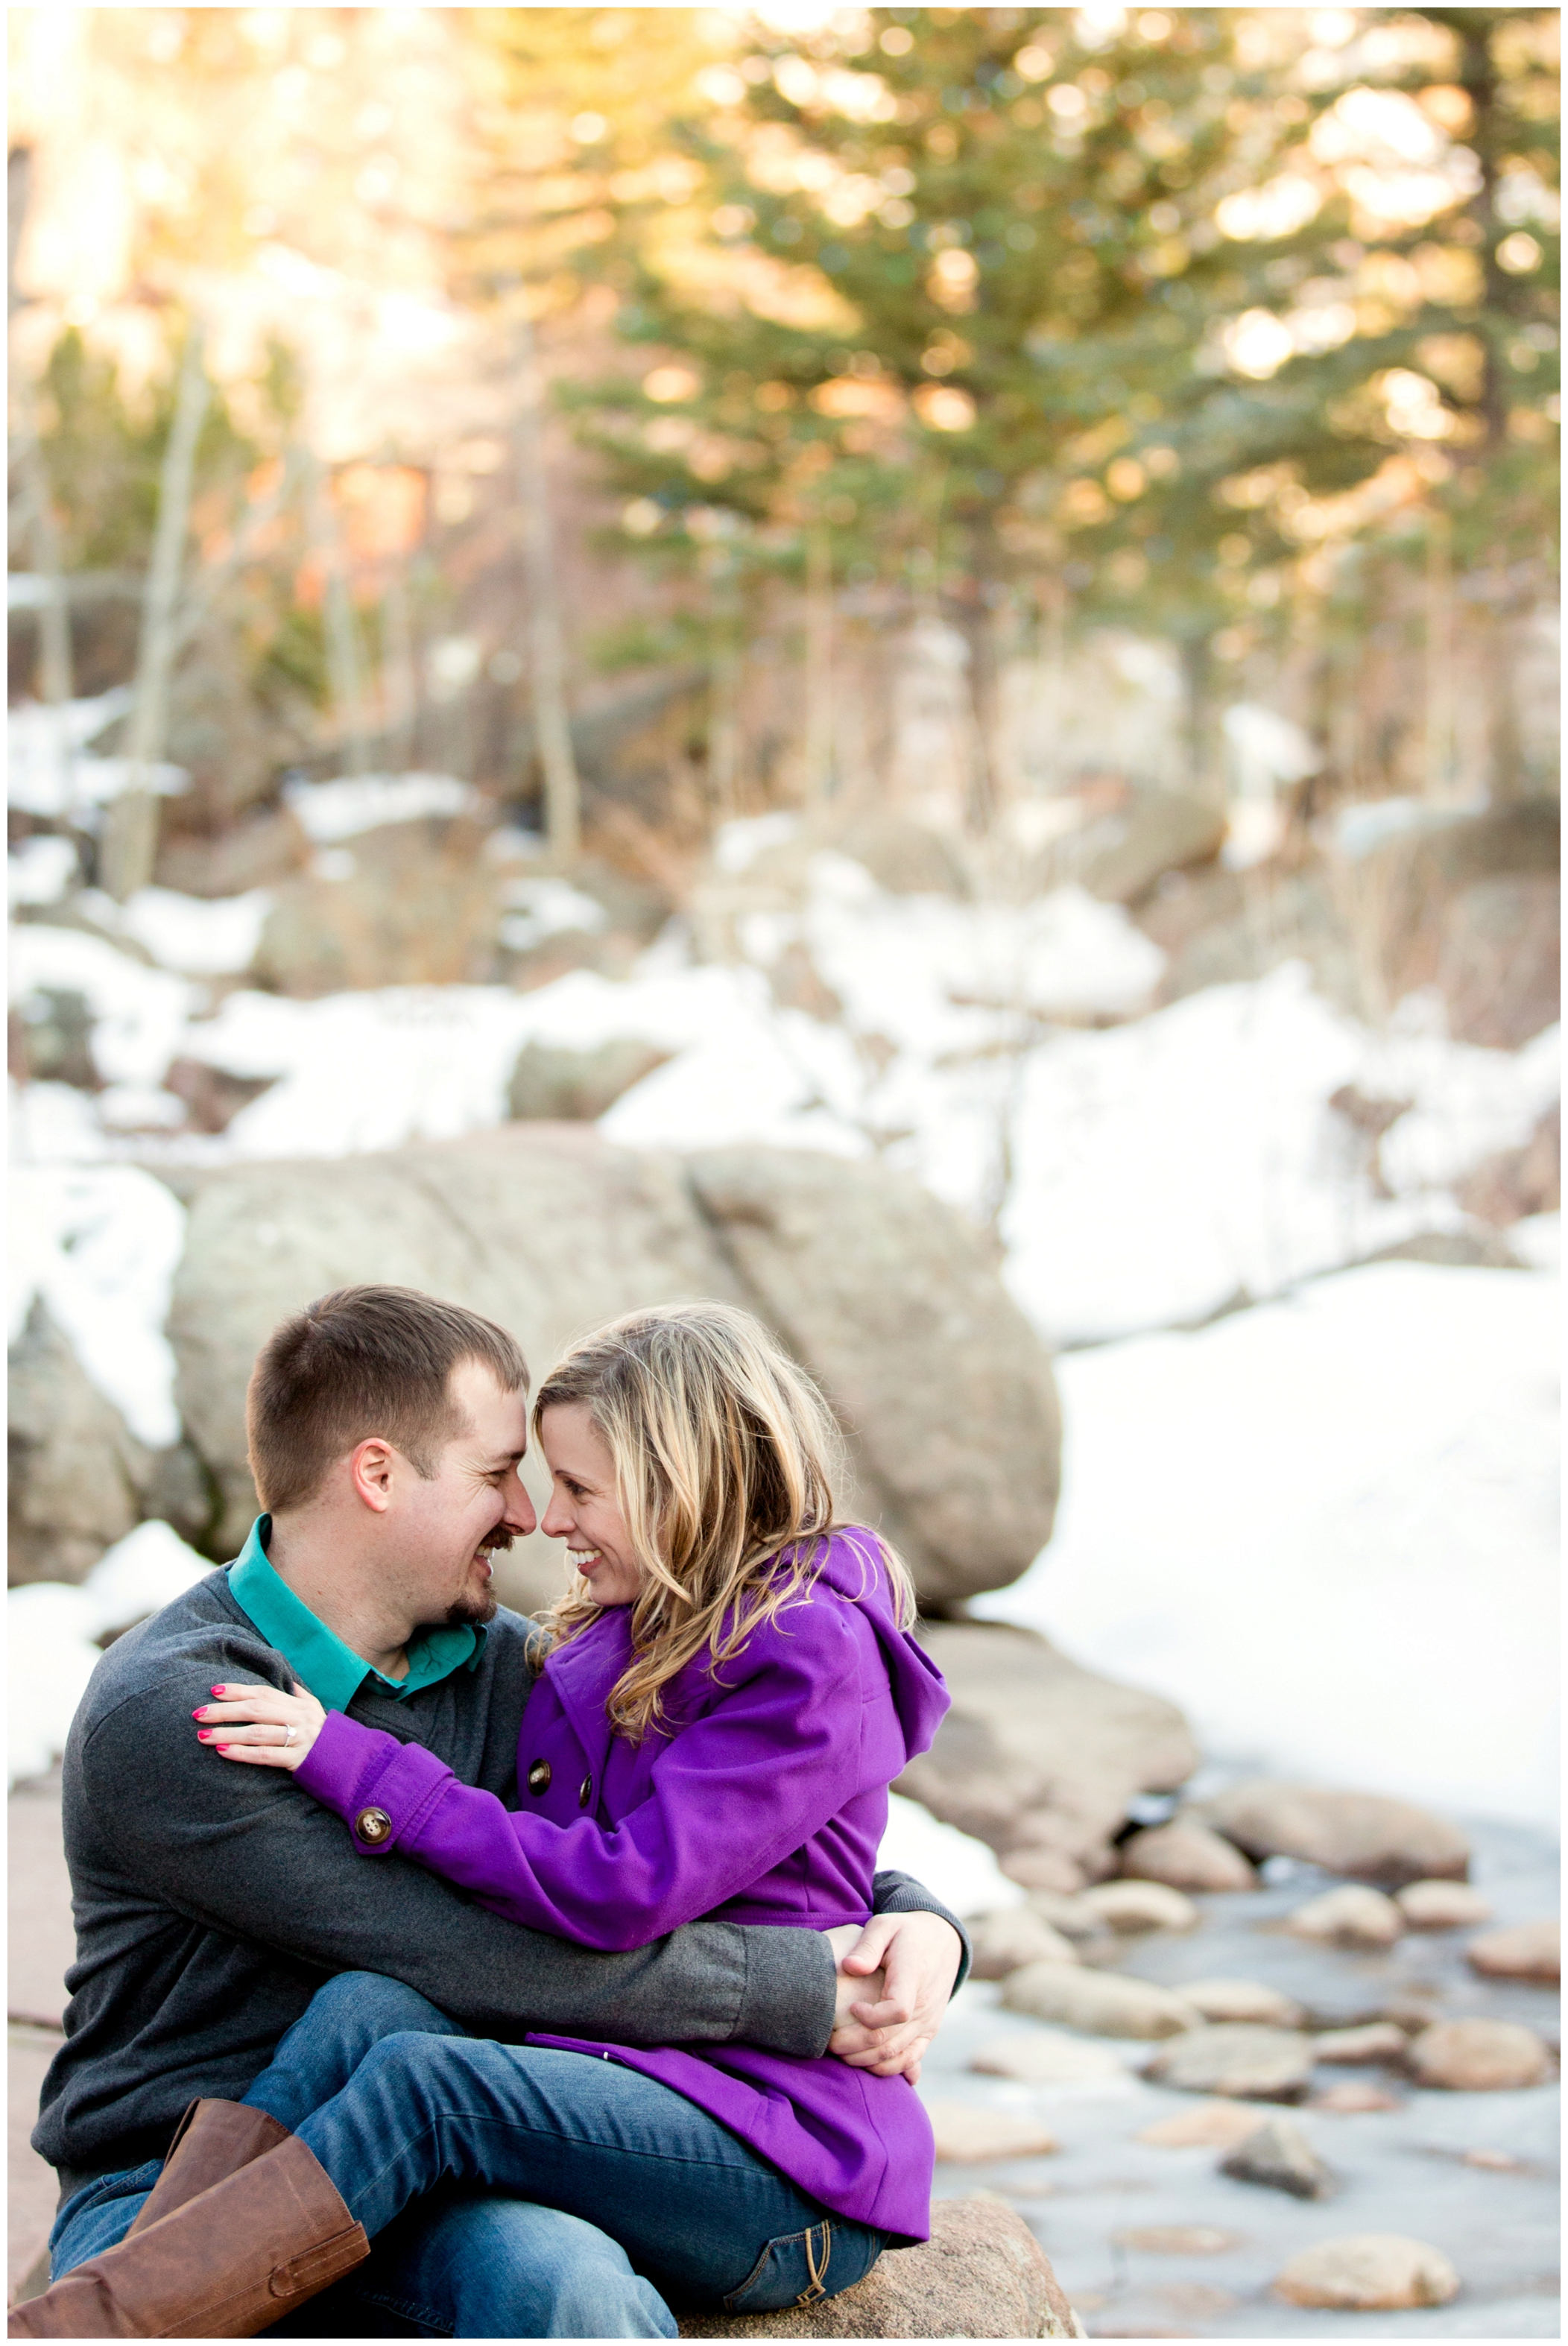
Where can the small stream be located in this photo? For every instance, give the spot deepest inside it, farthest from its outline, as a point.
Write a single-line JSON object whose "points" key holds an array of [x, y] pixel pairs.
{"points": [[1403, 2170]]}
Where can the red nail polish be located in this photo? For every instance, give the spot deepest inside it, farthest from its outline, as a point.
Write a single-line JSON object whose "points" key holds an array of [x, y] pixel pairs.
{"points": [[221, 1746], [204, 1735], [218, 1689]]}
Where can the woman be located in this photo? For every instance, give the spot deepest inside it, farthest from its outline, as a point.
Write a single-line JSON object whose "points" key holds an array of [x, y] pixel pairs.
{"points": [[731, 1689]]}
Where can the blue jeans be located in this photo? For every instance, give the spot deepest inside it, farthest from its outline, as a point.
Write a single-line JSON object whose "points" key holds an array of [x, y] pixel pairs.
{"points": [[411, 2102], [462, 2263]]}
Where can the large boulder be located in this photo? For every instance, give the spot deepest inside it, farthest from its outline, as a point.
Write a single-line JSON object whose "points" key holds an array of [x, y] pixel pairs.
{"points": [[76, 1471], [982, 2274], [411, 904], [1472, 907], [547, 1230], [895, 1303], [1038, 1756], [1159, 831]]}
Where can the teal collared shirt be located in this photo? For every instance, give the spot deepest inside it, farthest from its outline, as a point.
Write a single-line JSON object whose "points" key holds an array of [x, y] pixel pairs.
{"points": [[317, 1657]]}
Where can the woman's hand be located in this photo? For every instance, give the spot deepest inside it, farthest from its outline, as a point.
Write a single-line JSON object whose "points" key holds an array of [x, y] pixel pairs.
{"points": [[904, 1966], [260, 1725]]}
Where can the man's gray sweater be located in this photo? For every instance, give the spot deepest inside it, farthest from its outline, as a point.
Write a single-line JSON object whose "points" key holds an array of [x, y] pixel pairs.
{"points": [[212, 1901]]}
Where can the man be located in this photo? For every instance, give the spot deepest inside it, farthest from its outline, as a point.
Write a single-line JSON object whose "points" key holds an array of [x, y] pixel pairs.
{"points": [[386, 1434]]}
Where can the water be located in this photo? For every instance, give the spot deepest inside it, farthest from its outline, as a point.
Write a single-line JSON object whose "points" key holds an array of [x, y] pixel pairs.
{"points": [[1401, 2170]]}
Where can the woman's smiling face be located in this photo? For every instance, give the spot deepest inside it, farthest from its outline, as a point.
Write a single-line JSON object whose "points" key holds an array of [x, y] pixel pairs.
{"points": [[583, 1509]]}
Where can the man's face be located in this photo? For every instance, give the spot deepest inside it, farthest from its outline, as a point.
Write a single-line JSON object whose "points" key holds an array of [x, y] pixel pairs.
{"points": [[446, 1531]]}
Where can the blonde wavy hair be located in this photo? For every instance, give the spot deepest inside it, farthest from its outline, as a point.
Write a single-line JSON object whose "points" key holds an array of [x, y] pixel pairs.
{"points": [[724, 1454]]}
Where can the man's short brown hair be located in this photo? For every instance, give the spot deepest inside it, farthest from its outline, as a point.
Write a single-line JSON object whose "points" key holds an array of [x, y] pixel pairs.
{"points": [[359, 1361]]}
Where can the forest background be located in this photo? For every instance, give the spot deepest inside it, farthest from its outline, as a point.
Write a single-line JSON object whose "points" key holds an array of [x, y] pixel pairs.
{"points": [[1232, 330]]}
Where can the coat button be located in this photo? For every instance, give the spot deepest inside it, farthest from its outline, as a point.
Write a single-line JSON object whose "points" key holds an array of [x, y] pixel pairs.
{"points": [[584, 1791], [372, 1826], [539, 1777]]}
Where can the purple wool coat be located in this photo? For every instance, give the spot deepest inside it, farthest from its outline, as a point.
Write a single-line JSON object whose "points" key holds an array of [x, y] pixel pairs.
{"points": [[764, 1801]]}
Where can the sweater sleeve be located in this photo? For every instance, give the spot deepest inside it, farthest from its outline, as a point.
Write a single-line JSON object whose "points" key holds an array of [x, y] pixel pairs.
{"points": [[731, 1795]]}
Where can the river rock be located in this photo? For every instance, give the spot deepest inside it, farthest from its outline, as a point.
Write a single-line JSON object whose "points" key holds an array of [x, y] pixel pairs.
{"points": [[1038, 1867], [1047, 2056], [1004, 1942], [1070, 1916], [1368, 2272], [413, 903], [1131, 1906], [1527, 1951], [546, 1229], [1362, 1833], [1348, 1917], [1188, 1856], [982, 2274], [968, 2133], [1441, 1905], [1354, 2098], [1208, 2125], [1103, 2004], [1237, 2059], [1279, 2155], [1038, 1753], [1243, 2000], [1178, 2239], [1479, 2056], [1380, 2040]]}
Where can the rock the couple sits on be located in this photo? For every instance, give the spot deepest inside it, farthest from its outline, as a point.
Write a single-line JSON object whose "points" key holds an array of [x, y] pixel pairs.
{"points": [[443, 1973]]}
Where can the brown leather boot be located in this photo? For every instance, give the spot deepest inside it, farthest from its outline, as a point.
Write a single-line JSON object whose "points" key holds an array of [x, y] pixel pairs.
{"points": [[226, 2264], [212, 2139]]}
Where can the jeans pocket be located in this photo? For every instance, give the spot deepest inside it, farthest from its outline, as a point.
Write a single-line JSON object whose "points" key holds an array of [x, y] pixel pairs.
{"points": [[799, 2268]]}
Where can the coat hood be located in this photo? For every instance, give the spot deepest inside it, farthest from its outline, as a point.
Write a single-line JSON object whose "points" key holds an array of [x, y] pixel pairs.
{"points": [[853, 1567]]}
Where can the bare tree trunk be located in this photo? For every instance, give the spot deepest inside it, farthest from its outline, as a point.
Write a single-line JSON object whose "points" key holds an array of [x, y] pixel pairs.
{"points": [[130, 829], [53, 612], [724, 697], [819, 667], [546, 647], [345, 669], [1439, 657], [1505, 739], [400, 685], [1198, 711]]}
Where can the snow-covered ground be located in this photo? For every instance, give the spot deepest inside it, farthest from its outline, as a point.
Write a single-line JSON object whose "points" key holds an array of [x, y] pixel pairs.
{"points": [[1323, 1525], [1328, 1528]]}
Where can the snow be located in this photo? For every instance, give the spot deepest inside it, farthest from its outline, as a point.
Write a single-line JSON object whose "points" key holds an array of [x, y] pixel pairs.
{"points": [[545, 907], [39, 871], [1358, 829], [1327, 1529], [100, 1246], [331, 811], [931, 973], [140, 1012], [50, 772], [1165, 1166], [52, 1633], [198, 936], [962, 1871], [736, 845]]}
